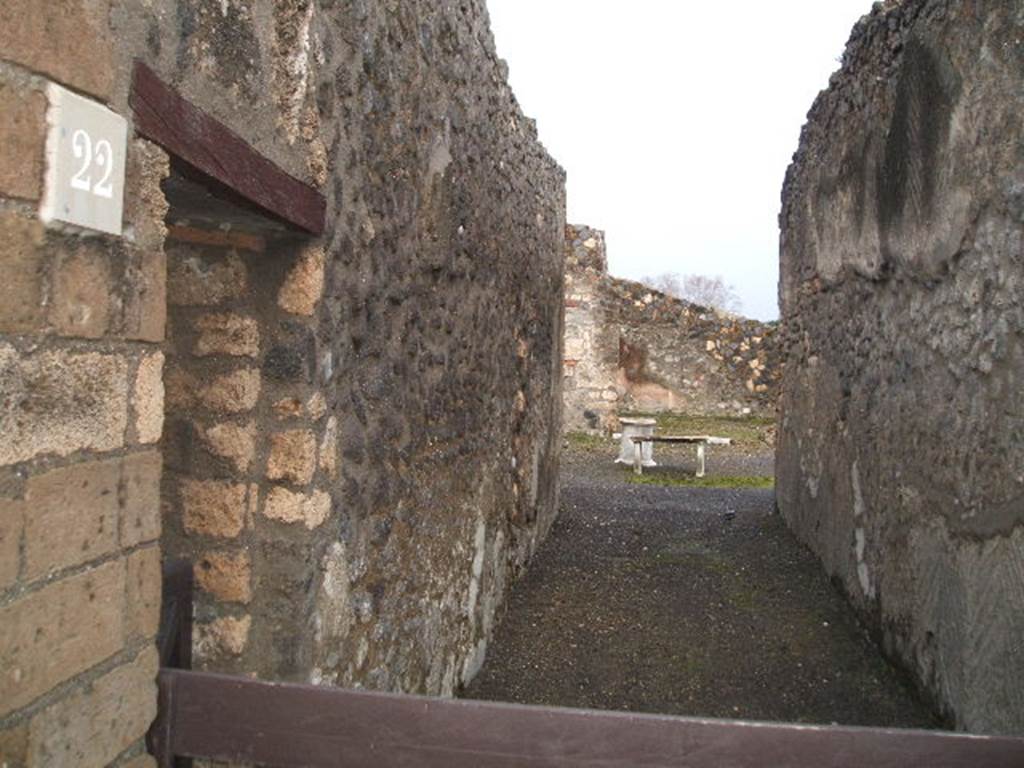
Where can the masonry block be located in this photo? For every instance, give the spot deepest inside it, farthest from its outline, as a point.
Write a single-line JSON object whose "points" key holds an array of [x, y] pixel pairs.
{"points": [[196, 280], [57, 632], [83, 291], [69, 40], [236, 443], [71, 516], [289, 507], [22, 141], [59, 402], [316, 406], [14, 746], [213, 508], [148, 399], [226, 636], [145, 205], [142, 593], [12, 524], [22, 289], [304, 285], [292, 456], [227, 334], [233, 392], [90, 728], [140, 493], [288, 408], [145, 300], [225, 575], [329, 448]]}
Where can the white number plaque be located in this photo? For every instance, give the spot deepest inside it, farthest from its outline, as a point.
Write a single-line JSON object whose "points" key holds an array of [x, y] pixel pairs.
{"points": [[85, 155]]}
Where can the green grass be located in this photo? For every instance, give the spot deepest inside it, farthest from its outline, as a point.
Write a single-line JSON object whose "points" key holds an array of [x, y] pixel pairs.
{"points": [[709, 481], [589, 442], [711, 562]]}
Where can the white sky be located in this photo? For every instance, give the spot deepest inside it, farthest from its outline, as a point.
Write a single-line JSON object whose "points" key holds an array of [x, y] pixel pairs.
{"points": [[675, 121]]}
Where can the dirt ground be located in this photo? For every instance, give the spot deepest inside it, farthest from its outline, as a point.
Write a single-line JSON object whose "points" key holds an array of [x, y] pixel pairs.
{"points": [[664, 598]]}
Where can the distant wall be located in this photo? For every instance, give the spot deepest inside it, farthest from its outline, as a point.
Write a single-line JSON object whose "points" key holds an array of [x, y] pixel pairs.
{"points": [[900, 449], [629, 347]]}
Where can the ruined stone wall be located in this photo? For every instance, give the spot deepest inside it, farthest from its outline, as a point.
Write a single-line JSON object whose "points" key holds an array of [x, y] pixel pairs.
{"points": [[631, 348], [590, 390], [362, 429], [900, 451]]}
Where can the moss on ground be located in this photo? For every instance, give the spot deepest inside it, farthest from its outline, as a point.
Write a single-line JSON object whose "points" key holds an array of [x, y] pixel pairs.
{"points": [[587, 441], [689, 481]]}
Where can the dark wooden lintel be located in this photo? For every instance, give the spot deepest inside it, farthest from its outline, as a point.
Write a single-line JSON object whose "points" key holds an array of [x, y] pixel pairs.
{"points": [[165, 117]]}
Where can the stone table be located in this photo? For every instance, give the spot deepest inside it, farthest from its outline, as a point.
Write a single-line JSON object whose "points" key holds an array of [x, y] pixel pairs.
{"points": [[636, 428]]}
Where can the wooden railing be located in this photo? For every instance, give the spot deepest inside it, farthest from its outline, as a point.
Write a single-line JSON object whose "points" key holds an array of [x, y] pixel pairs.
{"points": [[252, 722]]}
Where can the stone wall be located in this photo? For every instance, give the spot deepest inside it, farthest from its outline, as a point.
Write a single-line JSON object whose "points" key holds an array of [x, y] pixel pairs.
{"points": [[362, 429], [631, 348], [900, 447]]}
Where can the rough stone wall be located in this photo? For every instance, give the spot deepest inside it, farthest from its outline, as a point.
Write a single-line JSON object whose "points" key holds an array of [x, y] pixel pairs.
{"points": [[900, 447], [362, 429], [629, 348], [591, 344]]}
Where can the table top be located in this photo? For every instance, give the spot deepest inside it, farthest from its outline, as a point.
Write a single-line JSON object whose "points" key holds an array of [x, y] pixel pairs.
{"points": [[683, 439]]}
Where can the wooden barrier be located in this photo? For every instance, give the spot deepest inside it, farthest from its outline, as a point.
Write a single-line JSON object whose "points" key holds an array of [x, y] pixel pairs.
{"points": [[252, 722]]}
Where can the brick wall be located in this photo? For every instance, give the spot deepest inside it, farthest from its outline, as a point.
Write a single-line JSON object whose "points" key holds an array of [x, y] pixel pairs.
{"points": [[251, 451], [81, 412]]}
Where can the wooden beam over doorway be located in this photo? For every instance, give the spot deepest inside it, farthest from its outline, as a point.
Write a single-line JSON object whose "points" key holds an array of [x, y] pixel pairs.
{"points": [[165, 117]]}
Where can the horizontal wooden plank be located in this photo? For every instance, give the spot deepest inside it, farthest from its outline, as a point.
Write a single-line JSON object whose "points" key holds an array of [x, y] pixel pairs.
{"points": [[284, 725], [184, 130], [217, 238]]}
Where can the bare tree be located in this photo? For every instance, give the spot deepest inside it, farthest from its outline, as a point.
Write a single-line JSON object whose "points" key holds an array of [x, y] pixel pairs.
{"points": [[706, 291]]}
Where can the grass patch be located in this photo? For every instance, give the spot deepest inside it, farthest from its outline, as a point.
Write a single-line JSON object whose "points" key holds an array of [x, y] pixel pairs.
{"points": [[744, 430], [744, 599], [709, 481], [588, 442], [710, 563]]}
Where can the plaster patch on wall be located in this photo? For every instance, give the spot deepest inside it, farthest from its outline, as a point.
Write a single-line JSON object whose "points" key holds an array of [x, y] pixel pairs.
{"points": [[858, 494], [335, 586], [476, 572], [448, 683], [863, 574], [440, 154], [474, 662]]}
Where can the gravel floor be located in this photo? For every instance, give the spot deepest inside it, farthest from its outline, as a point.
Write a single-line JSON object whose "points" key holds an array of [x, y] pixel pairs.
{"points": [[688, 601]]}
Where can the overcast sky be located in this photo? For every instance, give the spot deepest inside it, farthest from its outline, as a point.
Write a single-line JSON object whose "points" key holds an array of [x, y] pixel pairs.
{"points": [[675, 121]]}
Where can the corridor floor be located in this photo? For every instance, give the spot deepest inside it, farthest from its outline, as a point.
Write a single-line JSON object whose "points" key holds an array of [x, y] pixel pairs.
{"points": [[686, 601]]}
